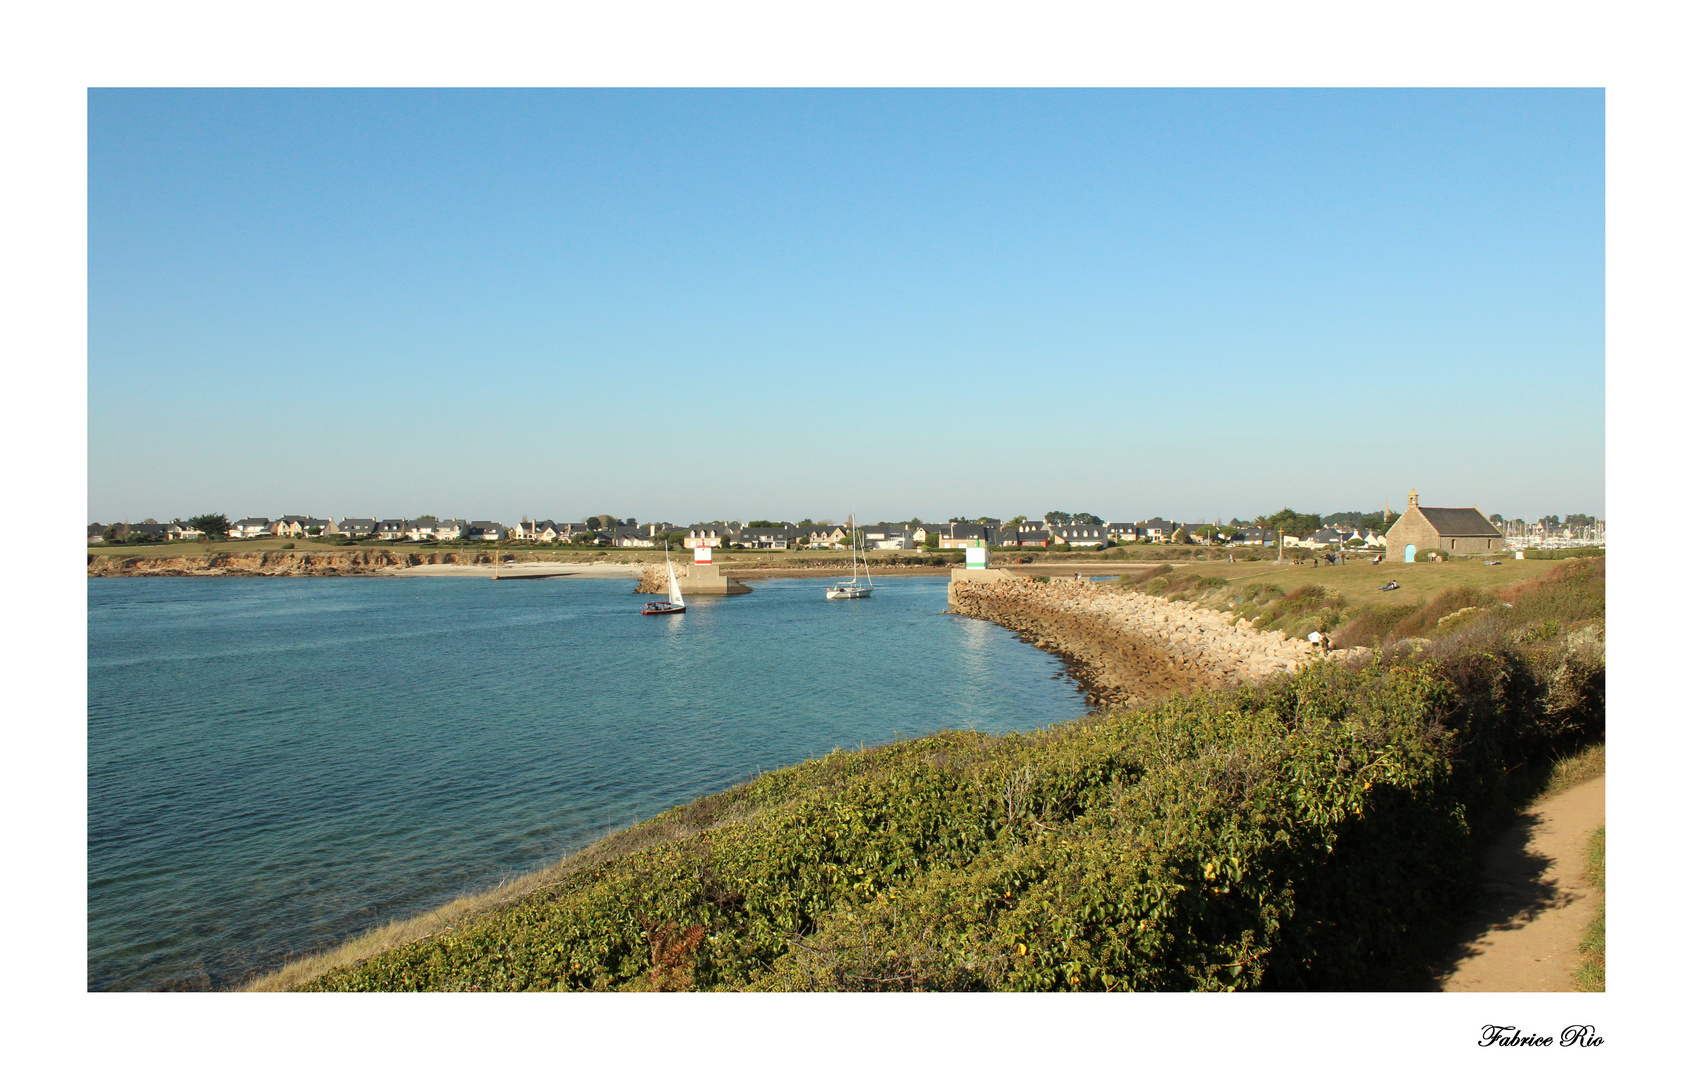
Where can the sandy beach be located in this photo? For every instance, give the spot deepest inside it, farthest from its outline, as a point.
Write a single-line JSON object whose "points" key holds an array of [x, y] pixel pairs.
{"points": [[518, 570]]}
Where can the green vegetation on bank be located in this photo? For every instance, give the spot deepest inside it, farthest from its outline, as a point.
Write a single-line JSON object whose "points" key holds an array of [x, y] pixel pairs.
{"points": [[1314, 833], [1564, 553], [1569, 596], [1590, 975]]}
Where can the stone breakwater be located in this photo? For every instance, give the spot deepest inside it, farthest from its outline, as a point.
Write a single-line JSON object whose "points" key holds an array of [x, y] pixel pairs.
{"points": [[1127, 648], [701, 581], [655, 580], [275, 563]]}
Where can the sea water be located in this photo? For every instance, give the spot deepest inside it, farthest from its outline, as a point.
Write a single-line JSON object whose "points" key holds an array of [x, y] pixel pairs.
{"points": [[277, 764]]}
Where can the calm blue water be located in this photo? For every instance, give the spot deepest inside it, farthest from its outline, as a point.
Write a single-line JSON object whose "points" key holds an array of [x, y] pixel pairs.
{"points": [[277, 764]]}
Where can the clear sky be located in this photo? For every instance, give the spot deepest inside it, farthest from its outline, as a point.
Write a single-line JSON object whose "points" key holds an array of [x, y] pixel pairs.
{"points": [[689, 305]]}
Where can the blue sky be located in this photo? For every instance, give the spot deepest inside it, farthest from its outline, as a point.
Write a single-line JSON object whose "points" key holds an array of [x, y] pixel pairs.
{"points": [[687, 304]]}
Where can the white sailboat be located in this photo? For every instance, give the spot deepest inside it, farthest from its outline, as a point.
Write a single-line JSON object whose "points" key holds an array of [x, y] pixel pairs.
{"points": [[673, 606], [854, 589]]}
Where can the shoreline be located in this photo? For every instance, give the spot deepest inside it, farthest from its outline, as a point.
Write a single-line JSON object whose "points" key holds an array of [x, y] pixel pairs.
{"points": [[368, 562], [1063, 618], [1126, 649]]}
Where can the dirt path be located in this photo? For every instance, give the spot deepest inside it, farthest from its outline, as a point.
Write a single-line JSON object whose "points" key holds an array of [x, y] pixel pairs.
{"points": [[1527, 934]]}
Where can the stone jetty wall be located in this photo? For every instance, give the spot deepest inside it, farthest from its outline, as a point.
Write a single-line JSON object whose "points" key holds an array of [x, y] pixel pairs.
{"points": [[1127, 648], [708, 582]]}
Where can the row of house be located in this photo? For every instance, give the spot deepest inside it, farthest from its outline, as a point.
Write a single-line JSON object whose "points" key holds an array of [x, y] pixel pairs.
{"points": [[880, 537], [1451, 530]]}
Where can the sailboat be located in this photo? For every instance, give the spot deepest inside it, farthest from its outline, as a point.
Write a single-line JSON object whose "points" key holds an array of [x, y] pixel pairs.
{"points": [[674, 605], [854, 589]]}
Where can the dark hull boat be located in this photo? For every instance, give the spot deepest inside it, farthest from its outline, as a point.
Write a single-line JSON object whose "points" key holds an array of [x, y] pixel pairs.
{"points": [[663, 607]]}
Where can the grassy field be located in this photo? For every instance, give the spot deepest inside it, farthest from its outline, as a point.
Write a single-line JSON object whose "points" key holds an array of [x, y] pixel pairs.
{"points": [[1360, 583], [1347, 603]]}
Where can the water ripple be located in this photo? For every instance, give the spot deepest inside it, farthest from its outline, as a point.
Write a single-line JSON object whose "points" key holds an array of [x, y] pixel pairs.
{"points": [[277, 764]]}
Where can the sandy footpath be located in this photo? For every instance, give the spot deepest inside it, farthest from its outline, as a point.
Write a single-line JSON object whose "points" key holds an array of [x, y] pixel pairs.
{"points": [[1537, 899]]}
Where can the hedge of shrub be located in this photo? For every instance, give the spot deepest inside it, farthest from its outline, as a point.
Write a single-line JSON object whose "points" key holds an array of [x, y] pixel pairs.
{"points": [[1301, 835], [1564, 553]]}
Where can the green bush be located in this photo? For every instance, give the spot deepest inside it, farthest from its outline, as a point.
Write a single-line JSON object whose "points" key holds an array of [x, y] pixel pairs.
{"points": [[1371, 624], [1564, 553], [1422, 622]]}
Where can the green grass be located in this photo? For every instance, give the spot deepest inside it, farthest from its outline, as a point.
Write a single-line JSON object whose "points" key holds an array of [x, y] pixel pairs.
{"points": [[1532, 600], [1590, 975]]}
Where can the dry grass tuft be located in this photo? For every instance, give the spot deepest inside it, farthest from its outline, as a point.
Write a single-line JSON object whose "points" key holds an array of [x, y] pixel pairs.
{"points": [[1575, 769]]}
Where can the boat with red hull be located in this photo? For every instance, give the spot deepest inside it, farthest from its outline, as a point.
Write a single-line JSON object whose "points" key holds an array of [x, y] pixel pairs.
{"points": [[675, 605]]}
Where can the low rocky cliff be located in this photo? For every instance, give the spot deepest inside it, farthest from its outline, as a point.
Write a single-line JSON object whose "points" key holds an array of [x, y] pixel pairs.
{"points": [[273, 563], [1126, 648]]}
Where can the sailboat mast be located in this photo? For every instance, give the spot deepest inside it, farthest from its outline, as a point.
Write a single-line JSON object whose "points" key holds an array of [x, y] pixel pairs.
{"points": [[853, 519], [866, 567]]}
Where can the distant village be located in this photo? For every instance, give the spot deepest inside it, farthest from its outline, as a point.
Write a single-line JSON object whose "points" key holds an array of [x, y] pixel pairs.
{"points": [[1462, 530]]}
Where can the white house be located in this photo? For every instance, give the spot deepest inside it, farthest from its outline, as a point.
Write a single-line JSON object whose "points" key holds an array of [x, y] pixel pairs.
{"points": [[879, 537], [1079, 535]]}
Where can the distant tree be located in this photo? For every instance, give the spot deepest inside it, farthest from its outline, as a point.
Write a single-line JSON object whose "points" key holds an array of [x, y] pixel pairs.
{"points": [[1292, 523], [213, 525], [1355, 542], [584, 537], [763, 524], [426, 517], [1086, 519], [1056, 517], [1496, 519], [1580, 521], [1180, 536]]}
